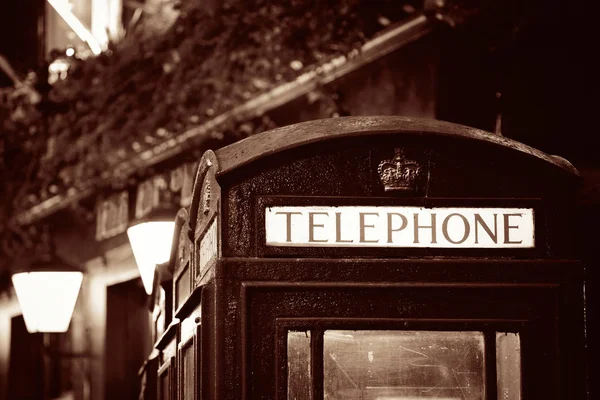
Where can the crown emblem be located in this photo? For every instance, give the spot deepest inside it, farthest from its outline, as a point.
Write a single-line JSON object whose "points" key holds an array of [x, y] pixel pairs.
{"points": [[398, 173]]}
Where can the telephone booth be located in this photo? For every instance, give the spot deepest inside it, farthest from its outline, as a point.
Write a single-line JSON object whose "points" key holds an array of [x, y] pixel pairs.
{"points": [[379, 258]]}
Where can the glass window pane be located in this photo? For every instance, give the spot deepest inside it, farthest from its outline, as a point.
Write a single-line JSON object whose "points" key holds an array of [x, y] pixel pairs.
{"points": [[508, 365], [403, 365], [298, 363]]}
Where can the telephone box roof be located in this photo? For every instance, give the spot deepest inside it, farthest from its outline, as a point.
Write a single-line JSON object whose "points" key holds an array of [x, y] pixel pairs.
{"points": [[292, 136]]}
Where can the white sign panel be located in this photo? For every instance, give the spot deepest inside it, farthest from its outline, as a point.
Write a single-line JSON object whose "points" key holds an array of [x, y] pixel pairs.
{"points": [[366, 226], [208, 247]]}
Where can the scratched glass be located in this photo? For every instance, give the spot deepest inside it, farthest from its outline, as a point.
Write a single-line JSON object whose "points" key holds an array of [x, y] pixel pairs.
{"points": [[403, 365], [508, 365], [298, 362]]}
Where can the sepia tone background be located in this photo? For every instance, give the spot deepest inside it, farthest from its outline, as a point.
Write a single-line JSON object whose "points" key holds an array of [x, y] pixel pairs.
{"points": [[177, 77]]}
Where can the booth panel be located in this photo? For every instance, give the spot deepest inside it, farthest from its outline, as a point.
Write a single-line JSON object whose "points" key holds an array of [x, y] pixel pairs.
{"points": [[166, 380], [187, 359], [190, 354], [182, 286], [355, 168], [443, 271], [167, 362], [508, 365], [181, 260], [401, 342], [208, 334], [395, 364], [299, 365], [198, 363]]}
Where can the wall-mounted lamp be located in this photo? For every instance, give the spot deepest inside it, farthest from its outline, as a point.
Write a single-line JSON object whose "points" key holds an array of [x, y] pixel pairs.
{"points": [[151, 241], [47, 292]]}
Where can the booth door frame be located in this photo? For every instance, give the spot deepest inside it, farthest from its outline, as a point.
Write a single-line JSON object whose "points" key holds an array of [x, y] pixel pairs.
{"points": [[274, 308], [318, 326]]}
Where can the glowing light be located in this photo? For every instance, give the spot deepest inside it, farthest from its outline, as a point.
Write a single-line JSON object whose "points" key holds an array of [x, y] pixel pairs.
{"points": [[57, 70], [62, 8], [151, 245], [99, 20], [70, 51], [47, 299], [106, 20]]}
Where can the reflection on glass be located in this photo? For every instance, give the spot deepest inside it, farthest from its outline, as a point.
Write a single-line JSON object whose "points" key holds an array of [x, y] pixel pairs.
{"points": [[403, 365], [508, 365], [298, 363]]}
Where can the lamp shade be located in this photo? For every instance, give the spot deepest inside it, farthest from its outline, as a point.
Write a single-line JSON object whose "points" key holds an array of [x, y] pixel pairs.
{"points": [[151, 244], [47, 298]]}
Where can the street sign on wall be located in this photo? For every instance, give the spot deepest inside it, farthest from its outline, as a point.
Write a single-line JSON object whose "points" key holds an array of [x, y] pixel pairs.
{"points": [[113, 213]]}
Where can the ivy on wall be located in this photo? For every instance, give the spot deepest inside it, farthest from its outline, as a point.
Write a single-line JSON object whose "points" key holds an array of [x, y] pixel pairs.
{"points": [[151, 86]]}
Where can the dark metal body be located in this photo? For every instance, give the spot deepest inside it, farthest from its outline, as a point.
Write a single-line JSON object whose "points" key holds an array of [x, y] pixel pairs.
{"points": [[244, 295]]}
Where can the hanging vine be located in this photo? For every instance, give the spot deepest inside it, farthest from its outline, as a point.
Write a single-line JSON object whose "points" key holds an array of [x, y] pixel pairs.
{"points": [[153, 86]]}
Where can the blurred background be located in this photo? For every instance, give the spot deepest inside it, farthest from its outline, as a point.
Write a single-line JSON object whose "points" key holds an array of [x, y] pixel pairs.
{"points": [[107, 105]]}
